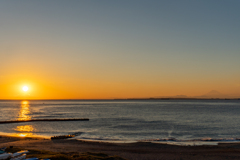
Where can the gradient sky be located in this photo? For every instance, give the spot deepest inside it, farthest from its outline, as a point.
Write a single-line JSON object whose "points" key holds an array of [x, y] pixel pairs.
{"points": [[87, 49]]}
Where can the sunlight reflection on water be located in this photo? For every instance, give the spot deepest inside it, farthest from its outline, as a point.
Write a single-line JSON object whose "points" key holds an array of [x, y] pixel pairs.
{"points": [[24, 111], [24, 130]]}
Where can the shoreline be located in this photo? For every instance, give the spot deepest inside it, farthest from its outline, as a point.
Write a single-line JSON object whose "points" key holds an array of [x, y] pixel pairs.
{"points": [[131, 151], [194, 142]]}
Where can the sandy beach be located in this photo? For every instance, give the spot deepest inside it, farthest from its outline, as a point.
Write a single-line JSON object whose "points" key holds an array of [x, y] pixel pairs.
{"points": [[131, 151]]}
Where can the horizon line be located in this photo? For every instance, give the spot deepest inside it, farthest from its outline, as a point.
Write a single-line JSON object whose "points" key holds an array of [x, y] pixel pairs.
{"points": [[169, 98]]}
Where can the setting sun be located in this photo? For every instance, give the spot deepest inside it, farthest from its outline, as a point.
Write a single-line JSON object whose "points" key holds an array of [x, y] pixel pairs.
{"points": [[25, 88]]}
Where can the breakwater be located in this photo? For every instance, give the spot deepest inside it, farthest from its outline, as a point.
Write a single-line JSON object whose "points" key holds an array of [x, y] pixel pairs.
{"points": [[47, 120]]}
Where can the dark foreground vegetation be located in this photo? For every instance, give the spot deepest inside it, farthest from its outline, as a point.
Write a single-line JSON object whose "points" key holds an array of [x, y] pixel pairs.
{"points": [[65, 155]]}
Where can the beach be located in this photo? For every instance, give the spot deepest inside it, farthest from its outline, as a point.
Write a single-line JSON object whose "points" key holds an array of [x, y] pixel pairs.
{"points": [[131, 151]]}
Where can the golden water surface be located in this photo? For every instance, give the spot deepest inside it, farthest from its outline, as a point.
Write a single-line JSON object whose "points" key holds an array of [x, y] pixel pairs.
{"points": [[24, 130]]}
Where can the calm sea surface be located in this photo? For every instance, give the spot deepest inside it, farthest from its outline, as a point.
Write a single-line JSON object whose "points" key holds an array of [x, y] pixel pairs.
{"points": [[142, 120]]}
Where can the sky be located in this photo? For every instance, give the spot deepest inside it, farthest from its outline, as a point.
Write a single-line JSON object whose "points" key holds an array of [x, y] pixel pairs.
{"points": [[100, 49]]}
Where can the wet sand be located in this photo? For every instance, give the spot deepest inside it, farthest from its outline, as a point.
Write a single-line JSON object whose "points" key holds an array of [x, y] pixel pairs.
{"points": [[131, 151]]}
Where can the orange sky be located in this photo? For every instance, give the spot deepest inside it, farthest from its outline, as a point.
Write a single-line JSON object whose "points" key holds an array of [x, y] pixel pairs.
{"points": [[96, 50], [62, 87]]}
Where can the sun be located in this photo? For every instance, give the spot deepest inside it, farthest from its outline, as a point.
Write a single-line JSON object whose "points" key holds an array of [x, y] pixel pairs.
{"points": [[25, 88]]}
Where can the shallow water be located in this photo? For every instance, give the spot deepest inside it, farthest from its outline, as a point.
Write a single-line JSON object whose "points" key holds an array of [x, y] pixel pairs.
{"points": [[130, 120]]}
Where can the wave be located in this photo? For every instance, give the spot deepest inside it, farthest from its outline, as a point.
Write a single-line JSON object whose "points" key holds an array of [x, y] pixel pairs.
{"points": [[193, 140], [173, 141]]}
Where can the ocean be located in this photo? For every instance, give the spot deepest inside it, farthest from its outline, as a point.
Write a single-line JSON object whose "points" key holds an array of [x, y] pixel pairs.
{"points": [[171, 121]]}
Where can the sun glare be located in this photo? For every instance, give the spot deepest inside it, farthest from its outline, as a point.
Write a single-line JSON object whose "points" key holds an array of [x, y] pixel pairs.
{"points": [[25, 88]]}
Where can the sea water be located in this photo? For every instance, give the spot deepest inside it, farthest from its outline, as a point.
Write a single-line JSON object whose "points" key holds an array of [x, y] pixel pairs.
{"points": [[126, 120]]}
